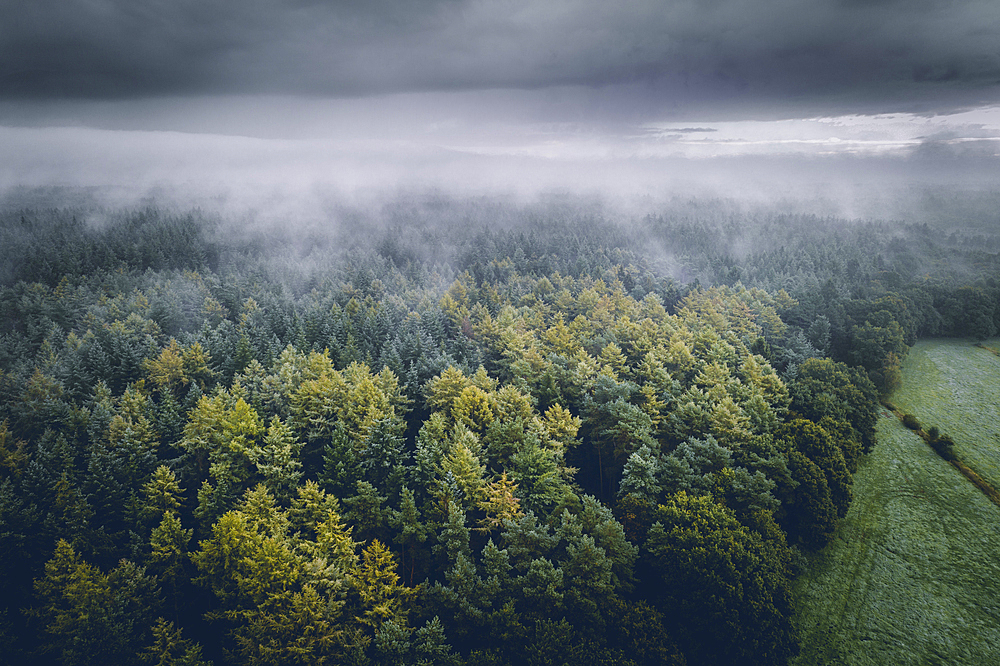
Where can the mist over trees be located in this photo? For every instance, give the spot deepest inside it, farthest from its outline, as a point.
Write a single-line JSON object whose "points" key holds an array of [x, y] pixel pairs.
{"points": [[447, 432]]}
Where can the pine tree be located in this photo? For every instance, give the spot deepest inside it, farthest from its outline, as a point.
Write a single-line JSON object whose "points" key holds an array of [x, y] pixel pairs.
{"points": [[277, 460], [367, 511], [463, 466], [311, 507], [411, 534], [169, 418], [540, 486], [430, 646], [472, 409], [453, 537], [382, 596], [598, 521], [170, 648], [168, 559], [167, 370], [500, 504], [443, 390], [542, 590], [589, 581], [382, 459], [341, 467], [392, 643], [640, 476], [161, 495], [91, 617]]}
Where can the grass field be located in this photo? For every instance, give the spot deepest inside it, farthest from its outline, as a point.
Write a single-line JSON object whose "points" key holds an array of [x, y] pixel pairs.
{"points": [[913, 573], [956, 386]]}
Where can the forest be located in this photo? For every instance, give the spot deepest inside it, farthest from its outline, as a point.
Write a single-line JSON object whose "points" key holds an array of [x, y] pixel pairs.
{"points": [[447, 431]]}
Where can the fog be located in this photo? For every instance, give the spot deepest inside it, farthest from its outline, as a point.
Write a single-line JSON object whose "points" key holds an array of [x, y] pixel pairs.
{"points": [[281, 160]]}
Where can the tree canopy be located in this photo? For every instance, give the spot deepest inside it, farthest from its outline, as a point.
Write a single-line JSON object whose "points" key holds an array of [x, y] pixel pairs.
{"points": [[470, 443]]}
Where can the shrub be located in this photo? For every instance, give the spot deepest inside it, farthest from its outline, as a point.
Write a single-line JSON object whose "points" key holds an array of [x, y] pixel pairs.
{"points": [[911, 422], [943, 446]]}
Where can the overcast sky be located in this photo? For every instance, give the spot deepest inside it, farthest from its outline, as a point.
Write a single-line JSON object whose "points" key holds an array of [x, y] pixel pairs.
{"points": [[867, 54], [383, 92]]}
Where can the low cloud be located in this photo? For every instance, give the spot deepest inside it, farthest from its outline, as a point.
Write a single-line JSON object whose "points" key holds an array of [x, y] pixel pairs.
{"points": [[850, 166]]}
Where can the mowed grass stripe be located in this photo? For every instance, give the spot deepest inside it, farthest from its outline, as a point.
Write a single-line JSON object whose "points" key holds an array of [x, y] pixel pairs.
{"points": [[913, 573]]}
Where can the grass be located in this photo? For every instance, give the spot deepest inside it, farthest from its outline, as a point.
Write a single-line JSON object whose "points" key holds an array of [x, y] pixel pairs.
{"points": [[955, 386], [913, 573]]}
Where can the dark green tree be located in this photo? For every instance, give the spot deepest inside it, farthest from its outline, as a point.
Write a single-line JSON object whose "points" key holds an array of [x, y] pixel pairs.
{"points": [[722, 588], [90, 617]]}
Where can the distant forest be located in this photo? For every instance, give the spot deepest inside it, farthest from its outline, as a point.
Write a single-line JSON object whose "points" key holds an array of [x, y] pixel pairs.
{"points": [[448, 432]]}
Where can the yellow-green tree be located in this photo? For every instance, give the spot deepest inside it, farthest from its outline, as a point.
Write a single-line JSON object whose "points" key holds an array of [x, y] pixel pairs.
{"points": [[282, 594], [383, 597]]}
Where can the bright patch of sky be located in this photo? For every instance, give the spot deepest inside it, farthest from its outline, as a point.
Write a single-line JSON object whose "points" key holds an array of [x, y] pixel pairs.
{"points": [[897, 134]]}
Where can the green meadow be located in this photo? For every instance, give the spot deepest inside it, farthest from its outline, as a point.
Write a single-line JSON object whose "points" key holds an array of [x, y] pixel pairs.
{"points": [[955, 386], [913, 573]]}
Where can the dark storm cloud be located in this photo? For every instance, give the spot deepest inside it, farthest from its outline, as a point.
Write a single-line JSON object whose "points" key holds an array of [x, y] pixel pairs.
{"points": [[847, 51]]}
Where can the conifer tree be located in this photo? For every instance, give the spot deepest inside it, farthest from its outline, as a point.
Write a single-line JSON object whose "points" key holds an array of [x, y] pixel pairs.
{"points": [[367, 511], [168, 559], [277, 460], [453, 538], [383, 597], [170, 648], [91, 617], [411, 534], [499, 505], [161, 495], [341, 467], [461, 466]]}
